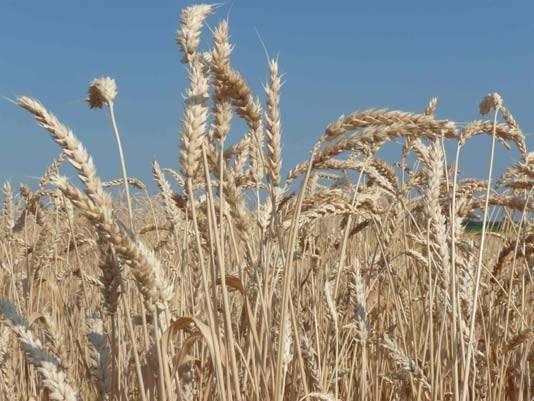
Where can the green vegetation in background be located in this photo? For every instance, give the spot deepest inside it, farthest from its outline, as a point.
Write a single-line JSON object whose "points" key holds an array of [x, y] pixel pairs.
{"points": [[475, 226]]}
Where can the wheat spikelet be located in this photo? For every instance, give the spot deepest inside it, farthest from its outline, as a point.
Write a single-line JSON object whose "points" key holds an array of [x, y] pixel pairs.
{"points": [[222, 118], [5, 356], [331, 304], [194, 120], [52, 170], [100, 356], [519, 339], [257, 159], [382, 118], [466, 286], [431, 107], [419, 148], [335, 202], [222, 107], [518, 203], [470, 186], [272, 124], [434, 213], [171, 209], [503, 132], [32, 208], [134, 182], [519, 184], [359, 302], [229, 82], [508, 249], [8, 210], [238, 208], [48, 366], [406, 366], [42, 252], [177, 177], [55, 340], [238, 151], [222, 49], [246, 107], [74, 151], [508, 117], [146, 268], [520, 173], [376, 170], [427, 128], [287, 347], [111, 277], [371, 138], [188, 36], [383, 174], [310, 358]]}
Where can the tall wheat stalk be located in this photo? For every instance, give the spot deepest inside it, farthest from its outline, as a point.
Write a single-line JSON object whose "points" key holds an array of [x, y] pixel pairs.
{"points": [[102, 92], [495, 102]]}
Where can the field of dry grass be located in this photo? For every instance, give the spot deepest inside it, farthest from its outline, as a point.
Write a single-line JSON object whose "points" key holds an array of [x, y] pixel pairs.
{"points": [[352, 278]]}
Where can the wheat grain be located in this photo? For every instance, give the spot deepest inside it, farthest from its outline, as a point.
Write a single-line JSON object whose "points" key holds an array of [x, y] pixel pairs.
{"points": [[194, 121]]}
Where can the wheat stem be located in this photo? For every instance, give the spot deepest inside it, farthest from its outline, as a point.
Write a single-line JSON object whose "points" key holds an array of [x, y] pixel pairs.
{"points": [[467, 367], [123, 164]]}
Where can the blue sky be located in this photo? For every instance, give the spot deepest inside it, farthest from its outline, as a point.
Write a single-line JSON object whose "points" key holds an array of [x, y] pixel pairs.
{"points": [[337, 57]]}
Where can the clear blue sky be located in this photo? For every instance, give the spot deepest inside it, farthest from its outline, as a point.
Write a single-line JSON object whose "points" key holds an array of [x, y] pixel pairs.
{"points": [[337, 57]]}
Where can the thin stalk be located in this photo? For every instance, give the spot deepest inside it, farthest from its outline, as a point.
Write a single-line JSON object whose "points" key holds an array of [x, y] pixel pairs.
{"points": [[348, 227], [465, 386], [114, 357], [279, 380], [222, 274], [157, 344], [211, 318], [454, 294], [123, 164], [135, 352], [510, 283]]}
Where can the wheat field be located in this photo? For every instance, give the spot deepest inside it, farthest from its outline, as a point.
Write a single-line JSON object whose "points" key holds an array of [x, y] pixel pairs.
{"points": [[349, 278]]}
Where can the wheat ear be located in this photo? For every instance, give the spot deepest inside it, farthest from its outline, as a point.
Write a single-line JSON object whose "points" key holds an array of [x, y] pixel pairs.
{"points": [[8, 210], [75, 152], [134, 182], [48, 366], [191, 21], [272, 124], [146, 268], [194, 120], [100, 356]]}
